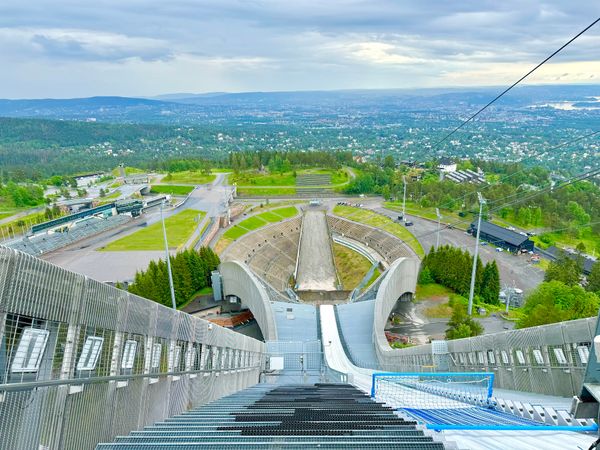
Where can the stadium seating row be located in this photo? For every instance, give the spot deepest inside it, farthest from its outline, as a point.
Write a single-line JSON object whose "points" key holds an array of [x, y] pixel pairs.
{"points": [[387, 245], [270, 252], [48, 242]]}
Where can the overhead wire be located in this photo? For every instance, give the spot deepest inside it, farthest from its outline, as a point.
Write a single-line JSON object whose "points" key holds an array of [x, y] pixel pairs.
{"points": [[437, 144], [584, 176]]}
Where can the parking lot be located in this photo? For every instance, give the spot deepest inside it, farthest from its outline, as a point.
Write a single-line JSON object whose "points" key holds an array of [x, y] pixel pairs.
{"points": [[514, 270]]}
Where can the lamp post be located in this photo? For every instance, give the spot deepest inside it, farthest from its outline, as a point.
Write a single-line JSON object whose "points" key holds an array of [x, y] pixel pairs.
{"points": [[474, 271], [437, 239], [162, 219]]}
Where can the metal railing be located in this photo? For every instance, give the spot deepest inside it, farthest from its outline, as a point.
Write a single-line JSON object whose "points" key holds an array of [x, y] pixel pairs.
{"points": [[82, 362], [548, 359]]}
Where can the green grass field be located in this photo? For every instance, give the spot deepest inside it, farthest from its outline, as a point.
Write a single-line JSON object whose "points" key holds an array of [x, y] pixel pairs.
{"points": [[258, 221], [257, 179], [172, 189], [128, 171], [179, 228], [270, 217], [253, 178], [429, 213], [377, 220], [432, 290], [287, 212], [188, 177], [246, 191]]}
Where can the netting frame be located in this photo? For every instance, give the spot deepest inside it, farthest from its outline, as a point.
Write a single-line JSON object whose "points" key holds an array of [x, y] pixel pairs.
{"points": [[490, 388]]}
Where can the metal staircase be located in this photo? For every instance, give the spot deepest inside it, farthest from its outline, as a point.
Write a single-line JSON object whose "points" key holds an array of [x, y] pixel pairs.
{"points": [[324, 416]]}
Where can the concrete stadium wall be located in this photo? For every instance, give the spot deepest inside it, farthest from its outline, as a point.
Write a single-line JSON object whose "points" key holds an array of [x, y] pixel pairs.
{"points": [[239, 280], [401, 278]]}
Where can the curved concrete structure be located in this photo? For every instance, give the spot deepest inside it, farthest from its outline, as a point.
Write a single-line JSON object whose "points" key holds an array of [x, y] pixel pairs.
{"points": [[401, 278], [239, 280], [270, 252]]}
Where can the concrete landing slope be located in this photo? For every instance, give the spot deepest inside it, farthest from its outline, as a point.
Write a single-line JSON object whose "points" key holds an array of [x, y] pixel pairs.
{"points": [[316, 269], [334, 353], [355, 321]]}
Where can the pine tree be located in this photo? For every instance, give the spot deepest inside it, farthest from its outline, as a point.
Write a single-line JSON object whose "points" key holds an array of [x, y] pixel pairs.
{"points": [[593, 279], [490, 289]]}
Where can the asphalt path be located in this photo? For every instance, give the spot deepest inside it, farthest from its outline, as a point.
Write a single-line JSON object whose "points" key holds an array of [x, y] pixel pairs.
{"points": [[515, 270], [84, 257]]}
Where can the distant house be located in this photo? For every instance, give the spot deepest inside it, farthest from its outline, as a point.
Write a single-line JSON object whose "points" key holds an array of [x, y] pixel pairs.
{"points": [[446, 165], [502, 237]]}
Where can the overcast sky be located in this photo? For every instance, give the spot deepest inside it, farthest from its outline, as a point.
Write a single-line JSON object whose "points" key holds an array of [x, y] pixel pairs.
{"points": [[75, 48]]}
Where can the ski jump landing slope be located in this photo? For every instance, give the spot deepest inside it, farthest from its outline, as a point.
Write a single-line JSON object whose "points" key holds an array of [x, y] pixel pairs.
{"points": [[316, 270]]}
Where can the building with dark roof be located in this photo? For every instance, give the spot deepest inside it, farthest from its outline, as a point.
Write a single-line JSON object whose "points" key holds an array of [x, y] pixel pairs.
{"points": [[502, 237], [586, 262]]}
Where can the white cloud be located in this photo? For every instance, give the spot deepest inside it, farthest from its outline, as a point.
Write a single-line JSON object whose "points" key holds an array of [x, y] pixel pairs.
{"points": [[145, 47], [56, 43]]}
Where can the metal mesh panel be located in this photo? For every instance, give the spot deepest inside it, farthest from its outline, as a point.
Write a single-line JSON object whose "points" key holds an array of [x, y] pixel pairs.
{"points": [[549, 359], [81, 362]]}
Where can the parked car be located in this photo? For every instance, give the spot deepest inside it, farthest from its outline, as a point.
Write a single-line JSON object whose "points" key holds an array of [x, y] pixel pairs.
{"points": [[498, 249]]}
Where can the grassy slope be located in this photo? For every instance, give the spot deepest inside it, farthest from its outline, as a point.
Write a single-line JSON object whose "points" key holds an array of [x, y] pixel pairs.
{"points": [[188, 177], [179, 229], [172, 189], [253, 223], [265, 191], [351, 266], [376, 220]]}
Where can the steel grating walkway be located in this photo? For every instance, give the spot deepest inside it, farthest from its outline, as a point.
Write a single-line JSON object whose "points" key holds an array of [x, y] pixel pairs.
{"points": [[324, 416]]}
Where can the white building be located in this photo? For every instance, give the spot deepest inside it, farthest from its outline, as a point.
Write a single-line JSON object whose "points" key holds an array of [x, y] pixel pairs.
{"points": [[446, 165]]}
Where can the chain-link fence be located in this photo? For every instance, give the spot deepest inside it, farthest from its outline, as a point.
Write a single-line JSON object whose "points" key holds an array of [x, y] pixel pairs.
{"points": [[82, 362]]}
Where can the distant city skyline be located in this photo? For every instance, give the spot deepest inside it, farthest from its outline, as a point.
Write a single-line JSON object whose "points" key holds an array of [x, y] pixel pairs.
{"points": [[65, 49]]}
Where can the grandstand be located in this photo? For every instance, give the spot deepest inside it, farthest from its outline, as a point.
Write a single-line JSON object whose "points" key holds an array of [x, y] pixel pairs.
{"points": [[385, 244], [81, 229], [270, 252], [312, 185]]}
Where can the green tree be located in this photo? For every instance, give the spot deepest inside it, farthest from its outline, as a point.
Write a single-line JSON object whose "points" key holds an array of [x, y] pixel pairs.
{"points": [[461, 325], [490, 286], [556, 301], [425, 276], [593, 279], [564, 269], [389, 162]]}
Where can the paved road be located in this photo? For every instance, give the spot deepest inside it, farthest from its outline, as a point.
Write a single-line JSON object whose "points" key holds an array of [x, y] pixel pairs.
{"points": [[118, 266], [514, 270]]}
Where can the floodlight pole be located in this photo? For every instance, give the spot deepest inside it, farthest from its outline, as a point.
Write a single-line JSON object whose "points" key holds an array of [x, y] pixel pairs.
{"points": [[404, 199], [474, 271], [168, 257], [437, 240]]}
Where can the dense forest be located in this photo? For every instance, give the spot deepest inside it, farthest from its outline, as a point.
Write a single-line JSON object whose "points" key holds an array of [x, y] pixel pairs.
{"points": [[191, 273], [451, 267]]}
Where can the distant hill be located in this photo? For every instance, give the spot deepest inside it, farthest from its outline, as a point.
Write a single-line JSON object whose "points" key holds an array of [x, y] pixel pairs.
{"points": [[187, 108]]}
